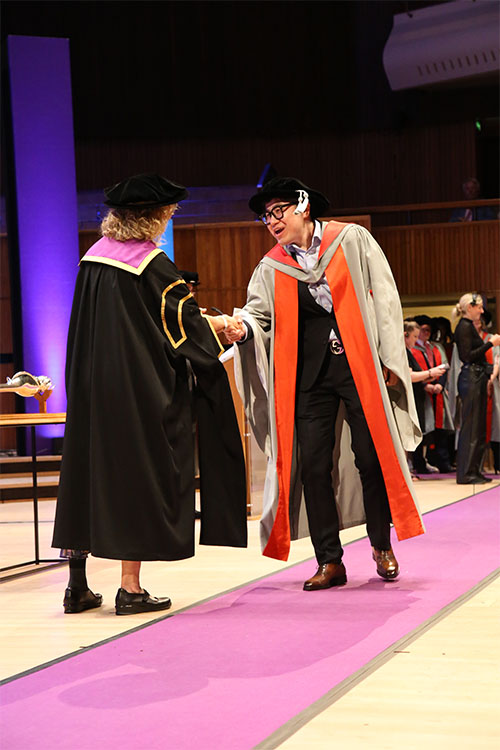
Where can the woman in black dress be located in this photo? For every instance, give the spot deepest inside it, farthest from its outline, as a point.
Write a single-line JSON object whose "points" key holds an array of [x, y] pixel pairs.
{"points": [[472, 388]]}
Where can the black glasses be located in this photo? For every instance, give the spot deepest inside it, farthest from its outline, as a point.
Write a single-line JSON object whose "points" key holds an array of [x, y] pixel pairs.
{"points": [[277, 213]]}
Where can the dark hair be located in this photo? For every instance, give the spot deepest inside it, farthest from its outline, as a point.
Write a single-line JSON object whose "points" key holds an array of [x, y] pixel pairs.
{"points": [[423, 320], [438, 325]]}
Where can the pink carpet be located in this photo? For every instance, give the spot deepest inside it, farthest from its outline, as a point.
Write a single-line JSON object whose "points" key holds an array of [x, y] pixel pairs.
{"points": [[227, 673]]}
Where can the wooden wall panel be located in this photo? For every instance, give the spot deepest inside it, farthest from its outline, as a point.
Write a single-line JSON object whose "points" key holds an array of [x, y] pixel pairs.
{"points": [[408, 165], [185, 248], [86, 238], [226, 257], [5, 326], [439, 258], [7, 406]]}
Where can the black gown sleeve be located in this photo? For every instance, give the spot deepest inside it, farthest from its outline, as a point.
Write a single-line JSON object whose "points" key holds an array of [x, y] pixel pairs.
{"points": [[187, 331], [189, 335]]}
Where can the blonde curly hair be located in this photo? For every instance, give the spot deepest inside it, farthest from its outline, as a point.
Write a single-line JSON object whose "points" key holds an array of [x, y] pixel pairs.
{"points": [[124, 224]]}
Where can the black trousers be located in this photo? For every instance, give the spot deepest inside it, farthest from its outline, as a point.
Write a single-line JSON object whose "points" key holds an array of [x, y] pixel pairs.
{"points": [[472, 389], [316, 413]]}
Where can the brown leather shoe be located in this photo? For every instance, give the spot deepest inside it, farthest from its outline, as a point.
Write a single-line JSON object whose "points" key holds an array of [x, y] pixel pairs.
{"points": [[327, 575], [387, 565]]}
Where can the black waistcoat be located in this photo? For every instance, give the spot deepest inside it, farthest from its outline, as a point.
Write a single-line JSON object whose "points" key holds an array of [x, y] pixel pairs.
{"points": [[315, 324]]}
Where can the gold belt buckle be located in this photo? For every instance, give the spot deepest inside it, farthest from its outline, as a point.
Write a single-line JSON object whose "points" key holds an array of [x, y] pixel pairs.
{"points": [[336, 347]]}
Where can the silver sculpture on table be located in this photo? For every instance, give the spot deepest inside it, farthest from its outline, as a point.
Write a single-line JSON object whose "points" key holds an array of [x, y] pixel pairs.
{"points": [[25, 384]]}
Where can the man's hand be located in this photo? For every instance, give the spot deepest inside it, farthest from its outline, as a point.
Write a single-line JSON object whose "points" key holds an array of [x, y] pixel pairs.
{"points": [[235, 329], [390, 377]]}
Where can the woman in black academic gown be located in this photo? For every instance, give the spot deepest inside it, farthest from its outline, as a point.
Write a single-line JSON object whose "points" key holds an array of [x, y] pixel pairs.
{"points": [[422, 382], [127, 477], [472, 388]]}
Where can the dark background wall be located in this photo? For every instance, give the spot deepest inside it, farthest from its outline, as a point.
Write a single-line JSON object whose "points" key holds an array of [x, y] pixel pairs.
{"points": [[208, 92]]}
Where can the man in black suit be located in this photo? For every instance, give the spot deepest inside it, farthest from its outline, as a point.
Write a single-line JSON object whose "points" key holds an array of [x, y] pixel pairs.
{"points": [[325, 347]]}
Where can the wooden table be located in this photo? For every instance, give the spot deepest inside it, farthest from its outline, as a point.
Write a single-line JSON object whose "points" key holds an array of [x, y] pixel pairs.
{"points": [[32, 421]]}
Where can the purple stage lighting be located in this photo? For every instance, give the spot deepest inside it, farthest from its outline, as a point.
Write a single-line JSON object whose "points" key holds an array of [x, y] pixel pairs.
{"points": [[44, 157]]}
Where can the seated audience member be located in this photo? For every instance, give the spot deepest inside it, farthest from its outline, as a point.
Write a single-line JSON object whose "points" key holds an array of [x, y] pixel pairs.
{"points": [[472, 191]]}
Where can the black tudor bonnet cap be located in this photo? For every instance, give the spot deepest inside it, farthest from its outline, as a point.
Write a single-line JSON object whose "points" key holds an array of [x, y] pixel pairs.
{"points": [[144, 191], [288, 187]]}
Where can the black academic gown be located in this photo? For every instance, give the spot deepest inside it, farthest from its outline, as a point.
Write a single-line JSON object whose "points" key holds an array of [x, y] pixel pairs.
{"points": [[127, 476], [418, 389]]}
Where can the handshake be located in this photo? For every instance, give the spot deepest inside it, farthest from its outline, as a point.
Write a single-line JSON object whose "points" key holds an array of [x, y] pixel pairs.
{"points": [[234, 330], [231, 326]]}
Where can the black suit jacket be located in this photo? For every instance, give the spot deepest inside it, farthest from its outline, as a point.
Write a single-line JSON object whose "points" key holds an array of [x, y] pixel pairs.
{"points": [[315, 324]]}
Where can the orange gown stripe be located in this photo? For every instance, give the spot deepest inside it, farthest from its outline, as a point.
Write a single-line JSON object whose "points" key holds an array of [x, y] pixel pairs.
{"points": [[405, 516], [286, 307], [285, 373]]}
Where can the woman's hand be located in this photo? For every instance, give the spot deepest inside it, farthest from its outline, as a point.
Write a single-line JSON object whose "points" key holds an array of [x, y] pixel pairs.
{"points": [[437, 371], [235, 331]]}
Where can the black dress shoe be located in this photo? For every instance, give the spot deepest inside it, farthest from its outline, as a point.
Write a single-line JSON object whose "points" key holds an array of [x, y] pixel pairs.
{"points": [[133, 604], [327, 575], [76, 600], [421, 470], [479, 479], [387, 565]]}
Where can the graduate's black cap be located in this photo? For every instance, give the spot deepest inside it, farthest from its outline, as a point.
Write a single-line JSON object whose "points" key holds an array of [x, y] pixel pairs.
{"points": [[423, 320], [144, 191], [288, 188]]}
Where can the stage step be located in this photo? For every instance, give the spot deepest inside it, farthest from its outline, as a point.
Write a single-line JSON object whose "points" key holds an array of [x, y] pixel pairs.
{"points": [[20, 465], [16, 478]]}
